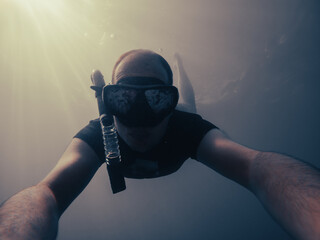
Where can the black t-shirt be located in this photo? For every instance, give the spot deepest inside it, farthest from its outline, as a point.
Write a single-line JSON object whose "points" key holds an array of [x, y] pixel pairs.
{"points": [[181, 140]]}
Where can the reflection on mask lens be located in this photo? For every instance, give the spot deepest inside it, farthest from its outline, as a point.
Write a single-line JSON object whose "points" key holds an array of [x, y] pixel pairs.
{"points": [[159, 99], [121, 99]]}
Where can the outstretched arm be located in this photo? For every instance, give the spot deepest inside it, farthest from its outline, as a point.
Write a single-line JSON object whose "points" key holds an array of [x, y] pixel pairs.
{"points": [[288, 188], [34, 212], [30, 214]]}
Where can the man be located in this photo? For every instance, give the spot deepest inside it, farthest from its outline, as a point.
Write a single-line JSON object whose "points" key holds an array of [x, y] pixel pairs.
{"points": [[155, 142]]}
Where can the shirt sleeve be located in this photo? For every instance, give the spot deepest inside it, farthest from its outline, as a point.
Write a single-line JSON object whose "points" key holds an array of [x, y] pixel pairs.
{"points": [[187, 131], [92, 135], [199, 128]]}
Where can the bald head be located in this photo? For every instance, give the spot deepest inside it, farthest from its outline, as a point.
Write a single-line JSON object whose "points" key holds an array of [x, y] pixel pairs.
{"points": [[142, 63]]}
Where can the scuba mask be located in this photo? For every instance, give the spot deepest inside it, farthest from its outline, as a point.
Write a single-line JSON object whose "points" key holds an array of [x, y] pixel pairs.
{"points": [[140, 101]]}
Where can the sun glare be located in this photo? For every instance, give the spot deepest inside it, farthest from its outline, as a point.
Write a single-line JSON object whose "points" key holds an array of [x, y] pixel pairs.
{"points": [[45, 5], [44, 55]]}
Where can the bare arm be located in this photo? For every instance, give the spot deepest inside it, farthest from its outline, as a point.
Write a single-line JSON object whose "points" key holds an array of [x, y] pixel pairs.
{"points": [[30, 214], [34, 212], [289, 189]]}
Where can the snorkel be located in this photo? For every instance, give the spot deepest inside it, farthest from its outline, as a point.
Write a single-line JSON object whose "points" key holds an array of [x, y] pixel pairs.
{"points": [[110, 139]]}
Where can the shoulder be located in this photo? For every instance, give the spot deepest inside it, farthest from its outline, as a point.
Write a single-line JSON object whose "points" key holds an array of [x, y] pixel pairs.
{"points": [[91, 134], [187, 130], [92, 128]]}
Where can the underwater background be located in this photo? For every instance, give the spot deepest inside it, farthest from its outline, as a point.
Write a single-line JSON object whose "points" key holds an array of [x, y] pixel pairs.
{"points": [[255, 70]]}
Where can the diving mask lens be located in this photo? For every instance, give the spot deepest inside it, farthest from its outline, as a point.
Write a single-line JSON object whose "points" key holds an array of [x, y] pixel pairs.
{"points": [[159, 99], [140, 105]]}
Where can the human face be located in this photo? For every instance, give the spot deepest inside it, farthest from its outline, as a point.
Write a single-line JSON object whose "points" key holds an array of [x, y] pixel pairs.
{"points": [[143, 64]]}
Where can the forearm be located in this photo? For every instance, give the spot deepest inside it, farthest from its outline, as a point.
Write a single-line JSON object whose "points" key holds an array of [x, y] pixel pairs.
{"points": [[290, 190], [30, 214]]}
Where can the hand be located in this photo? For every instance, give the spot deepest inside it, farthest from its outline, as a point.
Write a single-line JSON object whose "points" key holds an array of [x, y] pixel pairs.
{"points": [[97, 78]]}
